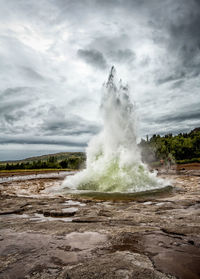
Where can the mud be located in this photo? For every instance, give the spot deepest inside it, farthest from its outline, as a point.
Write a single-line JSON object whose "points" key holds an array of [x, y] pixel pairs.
{"points": [[45, 233]]}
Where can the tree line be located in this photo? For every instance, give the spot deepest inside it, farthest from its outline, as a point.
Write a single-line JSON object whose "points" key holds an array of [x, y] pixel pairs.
{"points": [[73, 162], [181, 148]]}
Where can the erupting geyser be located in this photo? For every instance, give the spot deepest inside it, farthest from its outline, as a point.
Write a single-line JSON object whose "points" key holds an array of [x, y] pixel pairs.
{"points": [[113, 158]]}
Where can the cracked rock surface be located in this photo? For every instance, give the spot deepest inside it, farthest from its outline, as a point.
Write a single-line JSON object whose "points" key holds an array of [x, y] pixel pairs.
{"points": [[47, 234]]}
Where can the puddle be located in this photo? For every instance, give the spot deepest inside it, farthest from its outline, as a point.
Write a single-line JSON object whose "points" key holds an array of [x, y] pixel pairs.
{"points": [[41, 218], [37, 217], [70, 209], [160, 203], [28, 252], [171, 254], [13, 216], [147, 203], [163, 203], [71, 202], [85, 240]]}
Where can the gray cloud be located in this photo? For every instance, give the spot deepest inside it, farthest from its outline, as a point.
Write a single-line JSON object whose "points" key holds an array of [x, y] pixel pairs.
{"points": [[180, 22], [41, 140], [93, 57], [175, 77], [11, 107], [68, 125], [15, 92], [123, 55], [177, 84], [32, 74], [48, 95], [180, 117], [14, 106], [183, 120]]}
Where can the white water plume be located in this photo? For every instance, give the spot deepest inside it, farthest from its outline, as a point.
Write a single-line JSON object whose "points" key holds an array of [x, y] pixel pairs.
{"points": [[113, 157]]}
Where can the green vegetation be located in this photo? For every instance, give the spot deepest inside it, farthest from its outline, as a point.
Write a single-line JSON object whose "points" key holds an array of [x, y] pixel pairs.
{"points": [[181, 148], [64, 160]]}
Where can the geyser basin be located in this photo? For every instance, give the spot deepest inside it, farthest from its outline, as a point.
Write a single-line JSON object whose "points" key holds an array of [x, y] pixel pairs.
{"points": [[125, 196], [113, 158]]}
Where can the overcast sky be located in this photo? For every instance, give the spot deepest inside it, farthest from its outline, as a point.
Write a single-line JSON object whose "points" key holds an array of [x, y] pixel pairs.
{"points": [[55, 55]]}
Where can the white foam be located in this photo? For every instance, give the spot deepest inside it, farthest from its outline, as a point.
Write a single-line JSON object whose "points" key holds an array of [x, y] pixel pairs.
{"points": [[113, 157]]}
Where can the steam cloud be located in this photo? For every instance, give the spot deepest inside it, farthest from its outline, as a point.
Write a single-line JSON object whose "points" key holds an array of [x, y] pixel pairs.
{"points": [[113, 158]]}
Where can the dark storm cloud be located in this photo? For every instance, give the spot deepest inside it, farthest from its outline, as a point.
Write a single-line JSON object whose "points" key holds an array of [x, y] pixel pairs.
{"points": [[154, 44], [180, 117], [185, 34], [174, 25], [40, 140], [73, 126], [57, 122], [186, 114], [175, 130], [13, 102], [93, 57], [180, 21], [115, 48]]}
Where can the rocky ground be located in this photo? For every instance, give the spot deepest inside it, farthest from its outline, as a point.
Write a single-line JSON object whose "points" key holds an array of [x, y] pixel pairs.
{"points": [[44, 234]]}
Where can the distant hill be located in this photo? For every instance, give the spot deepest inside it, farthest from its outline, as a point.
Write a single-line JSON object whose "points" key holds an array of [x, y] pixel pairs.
{"points": [[184, 147], [62, 160], [57, 156]]}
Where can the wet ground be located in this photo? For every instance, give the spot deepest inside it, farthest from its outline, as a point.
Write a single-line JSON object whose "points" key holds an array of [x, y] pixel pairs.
{"points": [[45, 233]]}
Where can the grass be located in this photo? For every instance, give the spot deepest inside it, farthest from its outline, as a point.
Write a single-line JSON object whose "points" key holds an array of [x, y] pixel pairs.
{"points": [[185, 161], [34, 170], [188, 161]]}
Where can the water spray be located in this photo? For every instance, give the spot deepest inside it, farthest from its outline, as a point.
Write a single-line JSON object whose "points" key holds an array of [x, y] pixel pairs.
{"points": [[113, 157]]}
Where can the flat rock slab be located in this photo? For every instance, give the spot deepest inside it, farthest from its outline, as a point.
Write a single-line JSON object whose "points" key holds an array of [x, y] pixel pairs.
{"points": [[123, 265], [170, 253], [24, 254], [46, 235]]}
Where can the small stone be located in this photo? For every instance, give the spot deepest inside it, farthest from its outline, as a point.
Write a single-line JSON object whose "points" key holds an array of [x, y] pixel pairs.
{"points": [[190, 241]]}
